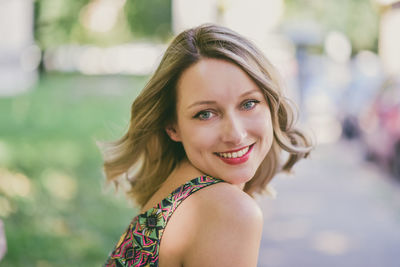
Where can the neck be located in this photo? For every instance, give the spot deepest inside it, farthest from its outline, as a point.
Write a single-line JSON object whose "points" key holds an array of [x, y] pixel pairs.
{"points": [[185, 171]]}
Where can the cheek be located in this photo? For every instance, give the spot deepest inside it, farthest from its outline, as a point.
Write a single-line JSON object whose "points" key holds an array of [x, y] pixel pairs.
{"points": [[196, 138], [262, 125]]}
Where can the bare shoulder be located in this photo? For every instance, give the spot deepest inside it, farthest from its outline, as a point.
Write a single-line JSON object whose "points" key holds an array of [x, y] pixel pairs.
{"points": [[211, 227], [227, 200], [227, 229]]}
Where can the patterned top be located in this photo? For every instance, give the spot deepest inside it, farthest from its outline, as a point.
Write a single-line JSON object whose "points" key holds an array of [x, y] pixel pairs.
{"points": [[140, 244]]}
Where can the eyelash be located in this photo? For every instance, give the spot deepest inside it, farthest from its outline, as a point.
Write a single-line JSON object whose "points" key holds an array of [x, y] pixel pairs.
{"points": [[251, 101], [254, 101]]}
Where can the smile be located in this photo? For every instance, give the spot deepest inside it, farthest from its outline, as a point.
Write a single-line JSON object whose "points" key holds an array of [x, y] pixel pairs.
{"points": [[236, 156]]}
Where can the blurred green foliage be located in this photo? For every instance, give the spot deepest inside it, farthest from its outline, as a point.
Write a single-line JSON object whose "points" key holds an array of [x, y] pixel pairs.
{"points": [[59, 22], [150, 18], [65, 217], [56, 20], [358, 19]]}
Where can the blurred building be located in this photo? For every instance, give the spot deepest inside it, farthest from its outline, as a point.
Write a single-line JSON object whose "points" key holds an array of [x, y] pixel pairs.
{"points": [[389, 37], [19, 56]]}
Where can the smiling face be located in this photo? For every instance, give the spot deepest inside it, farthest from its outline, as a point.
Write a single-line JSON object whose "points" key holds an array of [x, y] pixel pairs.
{"points": [[223, 120]]}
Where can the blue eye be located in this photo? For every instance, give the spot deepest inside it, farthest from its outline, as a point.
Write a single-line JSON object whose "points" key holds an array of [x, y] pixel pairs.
{"points": [[248, 105], [204, 115]]}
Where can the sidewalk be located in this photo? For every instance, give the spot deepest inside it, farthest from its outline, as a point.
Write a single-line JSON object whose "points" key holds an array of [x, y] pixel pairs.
{"points": [[336, 210]]}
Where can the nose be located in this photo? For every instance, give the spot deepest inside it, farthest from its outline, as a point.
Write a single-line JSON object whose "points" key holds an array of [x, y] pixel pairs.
{"points": [[233, 131]]}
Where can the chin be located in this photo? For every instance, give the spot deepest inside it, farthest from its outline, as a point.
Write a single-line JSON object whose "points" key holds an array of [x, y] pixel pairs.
{"points": [[238, 178]]}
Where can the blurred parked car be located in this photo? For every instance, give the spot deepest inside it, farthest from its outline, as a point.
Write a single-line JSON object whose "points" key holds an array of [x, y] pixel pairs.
{"points": [[380, 126], [367, 77]]}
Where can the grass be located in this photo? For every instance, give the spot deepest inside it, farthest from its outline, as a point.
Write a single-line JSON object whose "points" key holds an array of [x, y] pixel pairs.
{"points": [[53, 202]]}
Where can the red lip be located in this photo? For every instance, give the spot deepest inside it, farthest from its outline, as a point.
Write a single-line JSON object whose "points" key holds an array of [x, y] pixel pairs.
{"points": [[236, 161], [231, 151]]}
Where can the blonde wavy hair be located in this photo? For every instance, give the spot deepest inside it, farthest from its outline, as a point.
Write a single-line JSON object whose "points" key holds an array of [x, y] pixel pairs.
{"points": [[145, 155]]}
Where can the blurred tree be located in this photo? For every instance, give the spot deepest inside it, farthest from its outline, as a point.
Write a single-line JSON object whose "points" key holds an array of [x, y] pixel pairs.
{"points": [[150, 18], [55, 20], [358, 19], [63, 21], [100, 22]]}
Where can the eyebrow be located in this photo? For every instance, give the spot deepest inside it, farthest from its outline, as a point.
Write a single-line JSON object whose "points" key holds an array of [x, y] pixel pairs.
{"points": [[208, 102]]}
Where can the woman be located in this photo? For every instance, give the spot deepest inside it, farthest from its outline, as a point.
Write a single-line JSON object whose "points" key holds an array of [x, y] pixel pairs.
{"points": [[212, 117]]}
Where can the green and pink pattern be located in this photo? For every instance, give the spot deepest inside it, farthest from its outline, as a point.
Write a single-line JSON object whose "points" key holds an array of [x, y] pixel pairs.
{"points": [[140, 244]]}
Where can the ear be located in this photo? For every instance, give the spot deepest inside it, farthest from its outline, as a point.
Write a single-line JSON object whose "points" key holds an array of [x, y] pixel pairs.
{"points": [[173, 133]]}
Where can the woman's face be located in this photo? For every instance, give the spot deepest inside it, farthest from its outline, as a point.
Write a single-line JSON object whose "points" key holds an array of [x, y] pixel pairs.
{"points": [[223, 120]]}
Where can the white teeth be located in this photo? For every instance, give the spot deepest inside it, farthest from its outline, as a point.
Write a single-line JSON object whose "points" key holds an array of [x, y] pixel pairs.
{"points": [[236, 154]]}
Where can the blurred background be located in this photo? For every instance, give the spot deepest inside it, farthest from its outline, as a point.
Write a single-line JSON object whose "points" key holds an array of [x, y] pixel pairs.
{"points": [[69, 71]]}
